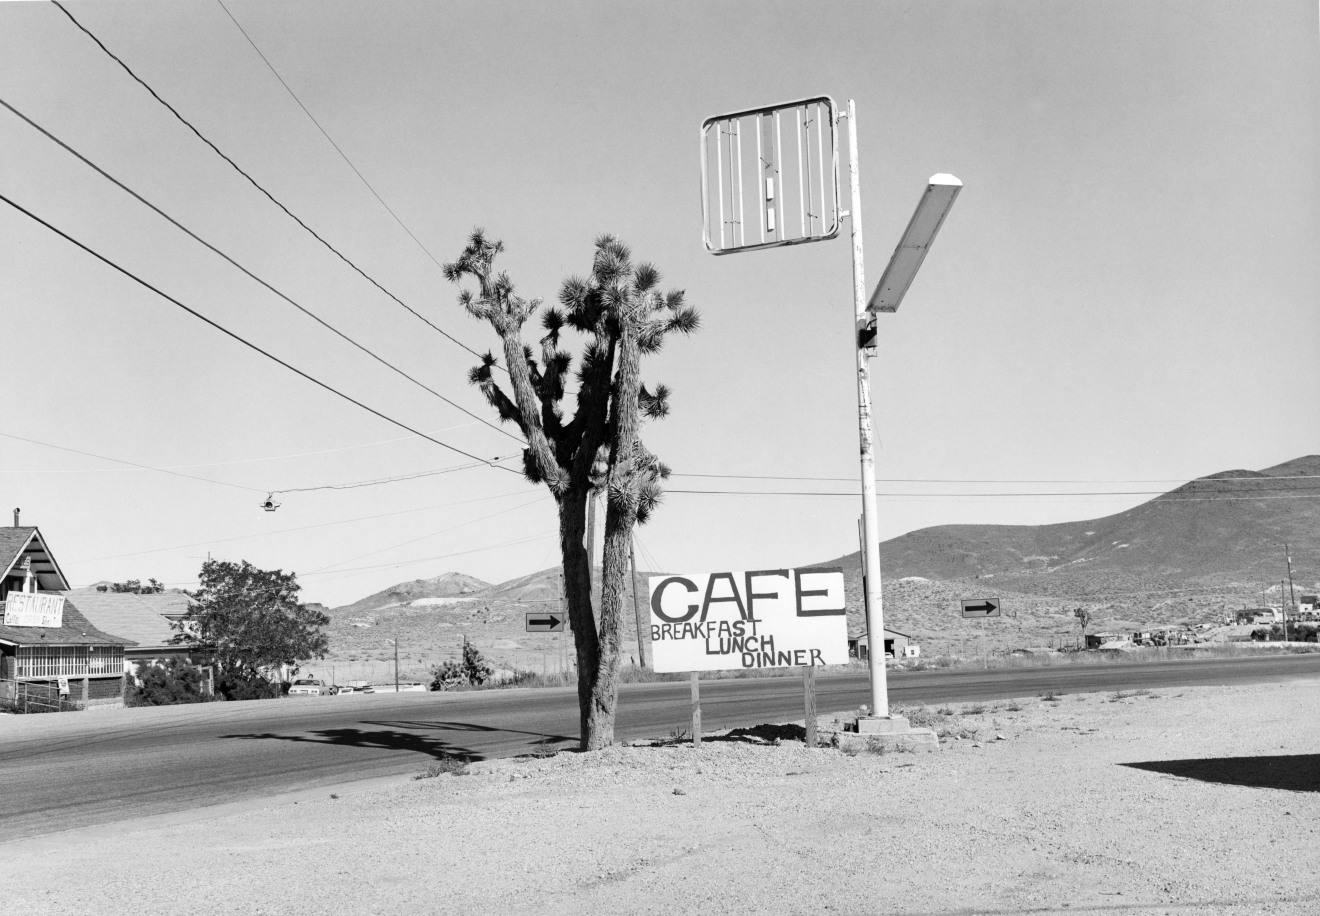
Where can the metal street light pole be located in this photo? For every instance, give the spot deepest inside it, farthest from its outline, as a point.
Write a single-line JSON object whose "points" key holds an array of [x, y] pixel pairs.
{"points": [[903, 265], [875, 615]]}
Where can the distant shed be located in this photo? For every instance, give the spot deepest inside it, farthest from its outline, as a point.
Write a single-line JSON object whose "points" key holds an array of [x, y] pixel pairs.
{"points": [[898, 645]]}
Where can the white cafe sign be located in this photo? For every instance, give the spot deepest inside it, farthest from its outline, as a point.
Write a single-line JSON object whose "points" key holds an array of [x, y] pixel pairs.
{"points": [[767, 618], [24, 609]]}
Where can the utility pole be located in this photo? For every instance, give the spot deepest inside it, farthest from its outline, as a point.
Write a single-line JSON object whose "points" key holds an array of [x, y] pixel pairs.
{"points": [[637, 608], [1291, 598], [591, 539], [396, 664], [563, 609]]}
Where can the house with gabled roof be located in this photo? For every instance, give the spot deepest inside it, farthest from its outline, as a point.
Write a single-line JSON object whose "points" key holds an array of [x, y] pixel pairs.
{"points": [[144, 619], [46, 642]]}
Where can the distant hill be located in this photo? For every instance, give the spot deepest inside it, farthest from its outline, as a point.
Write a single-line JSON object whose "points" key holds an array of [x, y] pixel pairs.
{"points": [[1188, 555], [441, 590], [1225, 529]]}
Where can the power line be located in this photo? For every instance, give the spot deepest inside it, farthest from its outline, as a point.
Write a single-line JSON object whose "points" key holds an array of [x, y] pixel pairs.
{"points": [[244, 341], [258, 186], [363, 556], [961, 480], [324, 133], [65, 448], [221, 464], [1169, 499], [379, 481], [430, 559], [343, 521], [178, 225]]}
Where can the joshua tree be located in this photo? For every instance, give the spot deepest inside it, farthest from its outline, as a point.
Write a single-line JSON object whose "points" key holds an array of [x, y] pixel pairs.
{"points": [[622, 316]]}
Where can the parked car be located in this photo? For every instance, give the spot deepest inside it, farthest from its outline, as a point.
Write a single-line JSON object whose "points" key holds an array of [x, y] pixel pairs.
{"points": [[309, 687], [340, 691]]}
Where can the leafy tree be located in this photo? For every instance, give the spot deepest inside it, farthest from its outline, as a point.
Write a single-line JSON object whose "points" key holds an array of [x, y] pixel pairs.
{"points": [[249, 622], [134, 587], [1084, 618], [621, 316], [176, 681], [472, 670]]}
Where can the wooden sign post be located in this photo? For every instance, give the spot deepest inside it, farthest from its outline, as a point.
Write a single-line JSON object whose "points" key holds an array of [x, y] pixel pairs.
{"points": [[809, 699], [696, 709]]}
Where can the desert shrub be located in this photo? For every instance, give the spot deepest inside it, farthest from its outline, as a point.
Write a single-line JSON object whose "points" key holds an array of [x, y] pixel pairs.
{"points": [[1297, 632], [472, 671], [454, 766], [242, 685], [176, 681]]}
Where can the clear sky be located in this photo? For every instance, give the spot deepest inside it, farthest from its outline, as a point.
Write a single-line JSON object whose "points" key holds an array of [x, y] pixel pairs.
{"points": [[1124, 296]]}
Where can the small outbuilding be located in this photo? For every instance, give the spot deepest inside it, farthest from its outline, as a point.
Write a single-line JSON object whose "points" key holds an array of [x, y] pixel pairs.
{"points": [[898, 645]]}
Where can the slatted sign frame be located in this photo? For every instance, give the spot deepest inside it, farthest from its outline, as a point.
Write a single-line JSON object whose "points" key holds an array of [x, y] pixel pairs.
{"points": [[779, 163]]}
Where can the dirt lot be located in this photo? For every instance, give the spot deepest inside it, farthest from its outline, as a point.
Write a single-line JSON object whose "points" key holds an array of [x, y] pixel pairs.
{"points": [[1195, 800]]}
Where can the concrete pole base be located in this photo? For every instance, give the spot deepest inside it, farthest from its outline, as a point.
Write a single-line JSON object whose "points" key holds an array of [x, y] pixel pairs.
{"points": [[882, 725]]}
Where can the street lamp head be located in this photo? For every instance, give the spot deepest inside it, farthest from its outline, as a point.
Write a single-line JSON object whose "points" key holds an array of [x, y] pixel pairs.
{"points": [[926, 220]]}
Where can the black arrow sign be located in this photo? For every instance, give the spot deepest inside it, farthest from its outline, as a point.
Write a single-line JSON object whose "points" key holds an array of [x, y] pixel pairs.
{"points": [[544, 624], [984, 607]]}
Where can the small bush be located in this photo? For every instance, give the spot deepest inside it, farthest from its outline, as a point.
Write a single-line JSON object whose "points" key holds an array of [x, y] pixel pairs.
{"points": [[454, 766], [175, 682], [239, 685]]}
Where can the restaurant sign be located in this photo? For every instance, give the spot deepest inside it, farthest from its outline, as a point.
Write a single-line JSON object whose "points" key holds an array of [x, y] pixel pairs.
{"points": [[25, 609]]}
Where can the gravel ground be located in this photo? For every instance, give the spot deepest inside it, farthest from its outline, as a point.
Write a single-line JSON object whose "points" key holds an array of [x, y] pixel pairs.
{"points": [[1040, 809]]}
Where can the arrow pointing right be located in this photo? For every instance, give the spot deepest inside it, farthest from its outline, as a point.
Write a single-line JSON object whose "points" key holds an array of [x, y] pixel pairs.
{"points": [[984, 607]]}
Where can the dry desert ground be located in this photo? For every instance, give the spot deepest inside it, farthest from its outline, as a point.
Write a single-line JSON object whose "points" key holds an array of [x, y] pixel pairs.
{"points": [[1185, 801]]}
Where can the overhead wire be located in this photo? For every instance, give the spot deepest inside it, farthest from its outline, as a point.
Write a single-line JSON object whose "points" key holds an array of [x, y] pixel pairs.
{"points": [[134, 464], [324, 133], [1167, 498], [962, 480], [363, 556], [392, 565], [380, 481], [343, 521], [430, 559], [245, 342], [184, 229], [372, 280], [220, 464]]}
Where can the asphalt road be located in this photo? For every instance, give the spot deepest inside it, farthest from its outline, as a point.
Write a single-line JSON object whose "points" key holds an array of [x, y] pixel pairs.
{"points": [[63, 771]]}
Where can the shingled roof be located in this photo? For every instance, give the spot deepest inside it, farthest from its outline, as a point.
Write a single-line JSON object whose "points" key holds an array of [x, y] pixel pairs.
{"points": [[17, 542], [77, 631], [140, 618]]}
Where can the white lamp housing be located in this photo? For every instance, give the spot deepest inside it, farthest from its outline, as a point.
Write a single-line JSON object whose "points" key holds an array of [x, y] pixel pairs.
{"points": [[940, 194]]}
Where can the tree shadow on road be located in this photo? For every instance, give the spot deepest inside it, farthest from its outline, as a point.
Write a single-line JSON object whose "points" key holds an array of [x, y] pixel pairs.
{"points": [[400, 736], [1293, 772], [385, 739]]}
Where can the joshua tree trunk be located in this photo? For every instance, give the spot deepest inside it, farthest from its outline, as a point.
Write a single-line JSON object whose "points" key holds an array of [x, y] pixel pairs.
{"points": [[620, 516]]}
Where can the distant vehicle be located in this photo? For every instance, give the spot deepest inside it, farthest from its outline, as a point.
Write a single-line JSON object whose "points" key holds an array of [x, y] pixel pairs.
{"points": [[309, 687], [345, 689]]}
